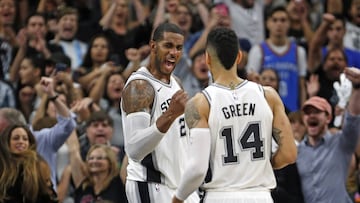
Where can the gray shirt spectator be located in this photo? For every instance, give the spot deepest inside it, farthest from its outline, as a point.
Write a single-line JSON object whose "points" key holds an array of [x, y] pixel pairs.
{"points": [[324, 156], [49, 140], [324, 168]]}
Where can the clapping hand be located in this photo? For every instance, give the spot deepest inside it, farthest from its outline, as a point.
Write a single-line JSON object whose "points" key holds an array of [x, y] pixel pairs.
{"points": [[47, 85]]}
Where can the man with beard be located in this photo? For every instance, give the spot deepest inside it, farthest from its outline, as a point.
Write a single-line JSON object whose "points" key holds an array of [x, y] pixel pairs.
{"points": [[152, 109], [331, 30], [324, 156], [321, 82]]}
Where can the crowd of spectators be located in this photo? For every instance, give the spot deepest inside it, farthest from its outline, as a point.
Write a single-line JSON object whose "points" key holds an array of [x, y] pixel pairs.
{"points": [[63, 66]]}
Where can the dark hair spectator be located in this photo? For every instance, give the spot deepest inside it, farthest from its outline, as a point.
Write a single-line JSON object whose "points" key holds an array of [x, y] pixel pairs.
{"points": [[22, 167]]}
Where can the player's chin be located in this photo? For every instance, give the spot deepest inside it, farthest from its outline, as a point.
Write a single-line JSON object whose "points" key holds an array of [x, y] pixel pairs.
{"points": [[168, 68]]}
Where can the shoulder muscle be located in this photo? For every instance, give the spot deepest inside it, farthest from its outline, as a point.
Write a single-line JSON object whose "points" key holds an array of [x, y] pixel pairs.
{"points": [[138, 96], [196, 112]]}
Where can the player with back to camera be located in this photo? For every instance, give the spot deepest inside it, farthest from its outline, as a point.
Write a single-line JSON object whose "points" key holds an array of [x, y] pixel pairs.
{"points": [[231, 124]]}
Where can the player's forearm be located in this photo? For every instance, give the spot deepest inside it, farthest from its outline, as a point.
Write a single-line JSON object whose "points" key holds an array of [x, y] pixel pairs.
{"points": [[197, 166], [141, 137], [164, 122], [286, 154], [191, 181]]}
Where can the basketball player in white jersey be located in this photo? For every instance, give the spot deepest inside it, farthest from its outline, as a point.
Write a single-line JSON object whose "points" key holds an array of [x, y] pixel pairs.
{"points": [[231, 127], [152, 107]]}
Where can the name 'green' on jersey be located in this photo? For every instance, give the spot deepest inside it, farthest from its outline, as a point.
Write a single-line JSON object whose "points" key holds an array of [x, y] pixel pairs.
{"points": [[240, 122]]}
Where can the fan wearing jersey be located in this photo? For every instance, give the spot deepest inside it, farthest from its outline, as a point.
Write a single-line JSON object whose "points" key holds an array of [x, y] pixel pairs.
{"points": [[231, 124], [152, 107]]}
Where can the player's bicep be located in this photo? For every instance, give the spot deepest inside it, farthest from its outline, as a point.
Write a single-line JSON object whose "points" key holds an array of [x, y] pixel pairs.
{"points": [[196, 112], [281, 123], [138, 96]]}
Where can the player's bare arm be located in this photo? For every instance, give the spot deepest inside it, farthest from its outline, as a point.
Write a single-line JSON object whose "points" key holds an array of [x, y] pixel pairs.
{"points": [[196, 115], [282, 132], [276, 135], [196, 112], [192, 115], [141, 137], [138, 96]]}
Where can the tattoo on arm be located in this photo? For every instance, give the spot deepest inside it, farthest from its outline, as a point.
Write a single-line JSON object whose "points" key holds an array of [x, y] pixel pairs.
{"points": [[138, 96], [276, 135], [192, 115]]}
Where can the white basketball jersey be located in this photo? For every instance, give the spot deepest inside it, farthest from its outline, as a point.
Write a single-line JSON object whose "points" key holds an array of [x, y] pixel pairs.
{"points": [[240, 123], [165, 163]]}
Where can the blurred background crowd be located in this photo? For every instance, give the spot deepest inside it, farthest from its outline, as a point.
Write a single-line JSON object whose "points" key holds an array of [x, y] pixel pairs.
{"points": [[63, 66]]}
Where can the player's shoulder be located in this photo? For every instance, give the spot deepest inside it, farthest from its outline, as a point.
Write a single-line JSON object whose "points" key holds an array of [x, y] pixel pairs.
{"points": [[138, 95], [196, 109], [138, 85], [271, 96]]}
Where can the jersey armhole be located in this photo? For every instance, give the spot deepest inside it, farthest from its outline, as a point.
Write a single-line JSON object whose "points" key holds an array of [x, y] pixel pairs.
{"points": [[207, 97]]}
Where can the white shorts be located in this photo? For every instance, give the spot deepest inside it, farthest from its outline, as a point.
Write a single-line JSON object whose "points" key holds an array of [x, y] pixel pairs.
{"points": [[146, 192], [238, 197]]}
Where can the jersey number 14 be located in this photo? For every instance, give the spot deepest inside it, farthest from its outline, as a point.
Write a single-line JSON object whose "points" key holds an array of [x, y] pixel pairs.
{"points": [[249, 140]]}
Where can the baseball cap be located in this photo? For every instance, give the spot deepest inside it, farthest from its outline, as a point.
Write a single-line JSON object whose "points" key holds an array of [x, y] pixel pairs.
{"points": [[319, 103], [221, 8]]}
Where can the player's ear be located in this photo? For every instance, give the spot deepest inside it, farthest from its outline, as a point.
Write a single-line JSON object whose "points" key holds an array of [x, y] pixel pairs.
{"points": [[239, 57], [207, 58], [152, 45]]}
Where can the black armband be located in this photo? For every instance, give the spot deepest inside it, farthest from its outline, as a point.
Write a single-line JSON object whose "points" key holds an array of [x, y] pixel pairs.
{"points": [[356, 86], [53, 98]]}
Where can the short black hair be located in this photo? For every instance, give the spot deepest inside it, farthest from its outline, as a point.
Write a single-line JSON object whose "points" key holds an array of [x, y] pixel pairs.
{"points": [[165, 27], [341, 18], [277, 9], [198, 53], [225, 43], [37, 61], [33, 15], [99, 116]]}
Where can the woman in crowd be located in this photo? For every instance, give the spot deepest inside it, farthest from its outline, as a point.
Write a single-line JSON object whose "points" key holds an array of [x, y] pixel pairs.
{"points": [[270, 77], [99, 53], [98, 178], [25, 176]]}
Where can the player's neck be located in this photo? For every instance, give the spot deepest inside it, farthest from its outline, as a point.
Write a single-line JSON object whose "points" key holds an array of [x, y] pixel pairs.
{"points": [[230, 81], [160, 76]]}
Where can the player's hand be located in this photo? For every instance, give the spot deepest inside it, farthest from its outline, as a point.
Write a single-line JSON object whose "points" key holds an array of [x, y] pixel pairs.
{"points": [[177, 104], [176, 200]]}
